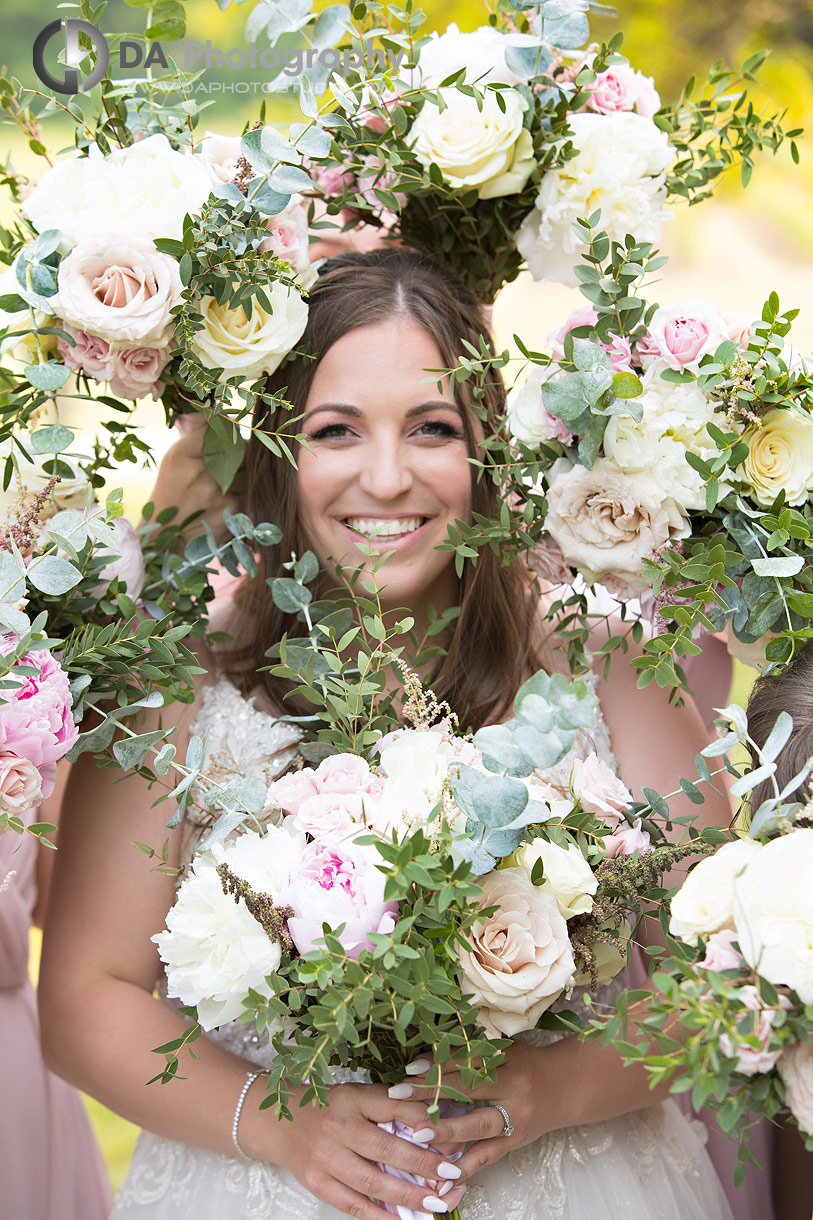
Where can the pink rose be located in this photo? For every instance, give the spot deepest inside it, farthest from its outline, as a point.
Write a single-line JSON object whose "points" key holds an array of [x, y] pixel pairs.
{"points": [[752, 1060], [738, 327], [520, 959], [20, 784], [548, 562], [599, 790], [288, 239], [329, 814], [620, 353], [291, 790], [622, 88], [35, 717], [127, 561], [378, 123], [796, 1070], [330, 180], [89, 353], [625, 840], [682, 334], [720, 952], [342, 773], [618, 347], [338, 884], [135, 372]]}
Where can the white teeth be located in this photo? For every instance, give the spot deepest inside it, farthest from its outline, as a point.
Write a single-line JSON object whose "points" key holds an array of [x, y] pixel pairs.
{"points": [[384, 528]]}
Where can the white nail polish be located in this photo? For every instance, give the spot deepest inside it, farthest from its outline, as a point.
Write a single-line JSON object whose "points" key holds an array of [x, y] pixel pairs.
{"points": [[424, 1135], [445, 1188], [447, 1170], [431, 1204], [400, 1092], [418, 1067]]}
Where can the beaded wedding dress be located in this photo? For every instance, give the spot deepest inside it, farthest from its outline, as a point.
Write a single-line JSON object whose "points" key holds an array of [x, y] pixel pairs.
{"points": [[648, 1165]]}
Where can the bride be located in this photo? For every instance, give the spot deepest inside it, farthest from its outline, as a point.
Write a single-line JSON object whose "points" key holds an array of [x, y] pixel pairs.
{"points": [[386, 449]]}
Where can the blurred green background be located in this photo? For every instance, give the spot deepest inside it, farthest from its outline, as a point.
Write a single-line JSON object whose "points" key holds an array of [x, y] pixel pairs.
{"points": [[735, 249]]}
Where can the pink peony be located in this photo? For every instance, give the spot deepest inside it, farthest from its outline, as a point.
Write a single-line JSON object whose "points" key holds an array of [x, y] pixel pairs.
{"points": [[329, 814], [291, 790], [20, 784], [35, 717], [338, 884], [342, 773], [682, 335], [620, 353], [622, 88], [720, 952], [135, 372], [752, 1060], [796, 1070], [625, 840], [599, 790], [88, 353]]}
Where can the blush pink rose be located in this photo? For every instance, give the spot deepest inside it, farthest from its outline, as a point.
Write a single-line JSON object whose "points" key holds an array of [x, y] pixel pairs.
{"points": [[796, 1070], [752, 1060], [378, 123], [622, 88], [89, 353], [620, 353], [330, 179], [337, 884], [548, 562], [288, 239], [291, 790], [520, 959], [329, 814], [20, 784], [720, 952], [342, 773], [35, 717], [618, 347], [135, 372], [220, 155], [599, 790], [682, 334], [625, 840]]}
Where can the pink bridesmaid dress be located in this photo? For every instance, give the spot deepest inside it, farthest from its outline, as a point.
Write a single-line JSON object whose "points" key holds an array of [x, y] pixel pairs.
{"points": [[50, 1165]]}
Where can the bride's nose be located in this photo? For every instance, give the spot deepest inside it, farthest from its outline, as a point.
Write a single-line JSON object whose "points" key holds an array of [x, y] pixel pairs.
{"points": [[386, 472]]}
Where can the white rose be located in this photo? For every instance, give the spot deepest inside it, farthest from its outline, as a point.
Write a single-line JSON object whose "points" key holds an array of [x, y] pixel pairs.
{"points": [[481, 52], [705, 902], [141, 191], [483, 148], [773, 912], [248, 347], [527, 418], [121, 290], [780, 456], [620, 167], [568, 876], [214, 950], [220, 154], [674, 422], [606, 522]]}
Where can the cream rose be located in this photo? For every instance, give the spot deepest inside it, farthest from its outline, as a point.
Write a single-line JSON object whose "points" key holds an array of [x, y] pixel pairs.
{"points": [[121, 290], [773, 912], [599, 790], [20, 785], [220, 155], [568, 876], [780, 456], [487, 149], [248, 347], [521, 959], [141, 191], [526, 416], [606, 522], [705, 902], [796, 1070]]}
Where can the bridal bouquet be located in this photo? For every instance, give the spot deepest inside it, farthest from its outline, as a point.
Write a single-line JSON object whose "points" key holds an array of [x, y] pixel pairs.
{"points": [[486, 147], [739, 973]]}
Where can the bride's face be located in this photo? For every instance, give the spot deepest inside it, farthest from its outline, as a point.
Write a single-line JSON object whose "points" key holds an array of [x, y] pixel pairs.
{"points": [[389, 456]]}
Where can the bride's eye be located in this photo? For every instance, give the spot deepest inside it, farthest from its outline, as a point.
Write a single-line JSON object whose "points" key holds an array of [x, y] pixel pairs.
{"points": [[439, 429], [330, 432]]}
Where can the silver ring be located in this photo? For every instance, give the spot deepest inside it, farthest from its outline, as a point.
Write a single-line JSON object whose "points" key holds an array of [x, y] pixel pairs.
{"points": [[508, 1127]]}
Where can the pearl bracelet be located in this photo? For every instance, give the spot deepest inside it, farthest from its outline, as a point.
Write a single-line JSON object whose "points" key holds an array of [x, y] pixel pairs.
{"points": [[250, 1078]]}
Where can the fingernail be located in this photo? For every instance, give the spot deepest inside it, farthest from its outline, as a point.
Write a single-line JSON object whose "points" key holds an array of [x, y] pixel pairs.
{"points": [[431, 1204], [445, 1170], [445, 1188], [418, 1067], [424, 1135], [399, 1092]]}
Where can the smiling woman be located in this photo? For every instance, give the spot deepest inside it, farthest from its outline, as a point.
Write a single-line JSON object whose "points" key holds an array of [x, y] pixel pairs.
{"points": [[386, 471]]}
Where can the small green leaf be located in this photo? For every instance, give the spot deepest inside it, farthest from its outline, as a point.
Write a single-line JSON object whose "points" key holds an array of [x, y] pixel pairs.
{"points": [[53, 439], [47, 377]]}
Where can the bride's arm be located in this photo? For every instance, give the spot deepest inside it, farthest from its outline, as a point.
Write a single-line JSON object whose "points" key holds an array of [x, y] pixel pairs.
{"points": [[100, 1020]]}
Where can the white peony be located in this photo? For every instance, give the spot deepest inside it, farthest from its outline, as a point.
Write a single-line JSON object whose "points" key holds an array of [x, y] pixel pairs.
{"points": [[248, 347], [796, 1070], [620, 167], [213, 949], [119, 289], [481, 52], [705, 902], [568, 876], [144, 190], [483, 146], [416, 764], [674, 421], [773, 912]]}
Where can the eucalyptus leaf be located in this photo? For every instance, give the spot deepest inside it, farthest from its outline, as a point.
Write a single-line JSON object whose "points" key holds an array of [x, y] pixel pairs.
{"points": [[54, 439], [223, 452], [746, 782], [130, 752], [47, 377], [52, 575], [777, 738], [778, 565]]}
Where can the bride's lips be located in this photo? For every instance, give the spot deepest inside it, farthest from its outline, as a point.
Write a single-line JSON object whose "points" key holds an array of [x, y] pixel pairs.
{"points": [[388, 542]]}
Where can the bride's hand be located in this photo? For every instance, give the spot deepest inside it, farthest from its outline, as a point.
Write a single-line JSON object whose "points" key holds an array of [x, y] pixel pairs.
{"points": [[335, 1152]]}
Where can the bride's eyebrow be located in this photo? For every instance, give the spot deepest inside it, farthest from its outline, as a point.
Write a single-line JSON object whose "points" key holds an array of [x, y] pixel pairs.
{"points": [[423, 408]]}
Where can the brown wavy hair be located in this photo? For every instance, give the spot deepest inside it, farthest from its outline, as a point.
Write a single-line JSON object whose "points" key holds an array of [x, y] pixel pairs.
{"points": [[496, 642], [790, 690]]}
